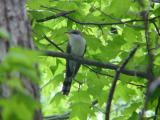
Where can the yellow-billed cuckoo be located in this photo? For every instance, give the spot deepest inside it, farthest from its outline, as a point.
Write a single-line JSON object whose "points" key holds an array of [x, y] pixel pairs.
{"points": [[76, 46]]}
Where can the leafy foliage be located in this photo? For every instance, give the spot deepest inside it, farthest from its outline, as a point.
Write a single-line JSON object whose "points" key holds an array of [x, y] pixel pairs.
{"points": [[19, 105], [103, 45]]}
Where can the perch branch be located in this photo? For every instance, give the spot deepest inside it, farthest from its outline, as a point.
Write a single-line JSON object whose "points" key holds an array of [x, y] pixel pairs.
{"points": [[94, 63]]}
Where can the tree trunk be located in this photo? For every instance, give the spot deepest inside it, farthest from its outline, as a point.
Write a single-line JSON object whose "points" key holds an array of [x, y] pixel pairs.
{"points": [[13, 20]]}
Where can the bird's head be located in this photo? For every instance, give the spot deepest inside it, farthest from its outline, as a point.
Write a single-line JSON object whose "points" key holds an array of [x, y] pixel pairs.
{"points": [[75, 34]]}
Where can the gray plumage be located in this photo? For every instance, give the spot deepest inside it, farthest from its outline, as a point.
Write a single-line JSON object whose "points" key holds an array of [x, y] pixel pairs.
{"points": [[76, 46]]}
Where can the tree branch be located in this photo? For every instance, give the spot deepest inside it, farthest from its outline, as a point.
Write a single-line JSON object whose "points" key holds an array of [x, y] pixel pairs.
{"points": [[54, 44], [137, 85], [61, 14], [97, 72], [50, 41], [118, 71], [111, 76], [58, 117], [150, 75], [157, 29], [65, 14], [94, 63]]}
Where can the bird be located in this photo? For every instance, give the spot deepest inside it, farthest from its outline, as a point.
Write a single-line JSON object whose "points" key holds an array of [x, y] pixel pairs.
{"points": [[76, 46]]}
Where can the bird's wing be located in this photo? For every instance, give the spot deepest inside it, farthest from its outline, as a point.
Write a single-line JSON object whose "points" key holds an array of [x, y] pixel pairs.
{"points": [[68, 68], [68, 77], [70, 63], [78, 64]]}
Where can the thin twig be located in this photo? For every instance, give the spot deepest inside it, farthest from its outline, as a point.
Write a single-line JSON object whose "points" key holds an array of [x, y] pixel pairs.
{"points": [[50, 41], [137, 85], [157, 29], [100, 73], [59, 44], [105, 23], [61, 14], [53, 43], [64, 14], [118, 71], [111, 76]]}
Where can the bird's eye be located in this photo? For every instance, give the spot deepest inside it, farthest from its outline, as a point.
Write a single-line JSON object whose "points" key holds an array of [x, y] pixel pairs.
{"points": [[75, 33]]}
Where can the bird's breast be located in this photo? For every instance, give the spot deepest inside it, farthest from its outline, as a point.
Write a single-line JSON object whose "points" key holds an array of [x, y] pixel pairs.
{"points": [[78, 47]]}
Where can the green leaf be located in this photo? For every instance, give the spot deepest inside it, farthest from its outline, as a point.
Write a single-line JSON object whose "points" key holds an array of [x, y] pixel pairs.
{"points": [[35, 4], [4, 35], [124, 92], [80, 110], [25, 103], [57, 98], [130, 35], [119, 8], [111, 50], [134, 116], [81, 96]]}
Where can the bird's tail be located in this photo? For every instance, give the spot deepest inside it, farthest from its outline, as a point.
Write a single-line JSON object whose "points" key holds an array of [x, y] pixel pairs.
{"points": [[67, 85]]}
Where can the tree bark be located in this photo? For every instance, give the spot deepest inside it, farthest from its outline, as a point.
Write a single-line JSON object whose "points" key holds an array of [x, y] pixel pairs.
{"points": [[13, 20]]}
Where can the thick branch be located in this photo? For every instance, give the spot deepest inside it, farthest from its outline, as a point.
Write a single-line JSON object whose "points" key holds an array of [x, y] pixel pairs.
{"points": [[118, 71], [95, 63]]}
